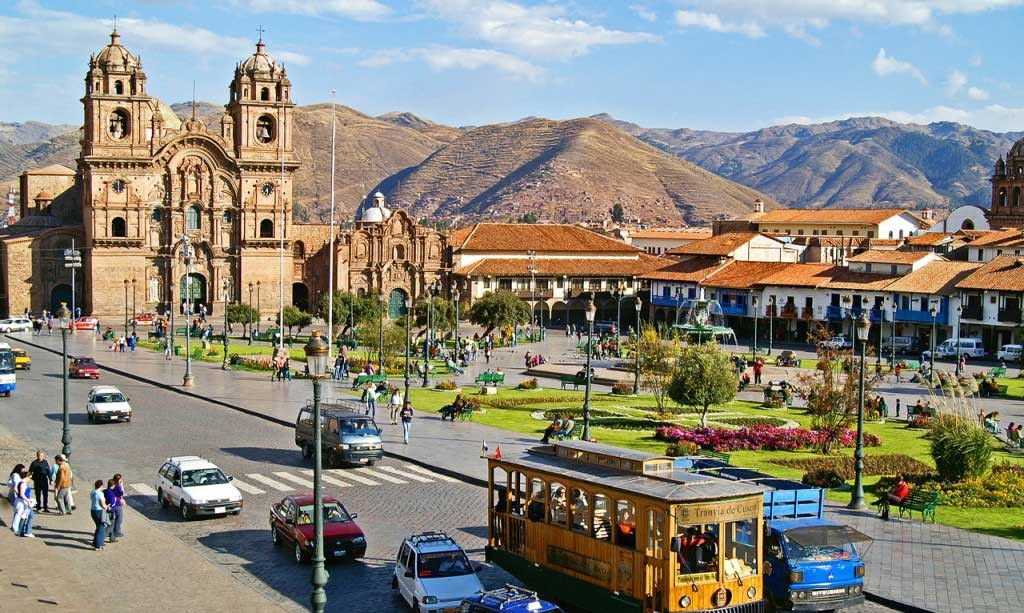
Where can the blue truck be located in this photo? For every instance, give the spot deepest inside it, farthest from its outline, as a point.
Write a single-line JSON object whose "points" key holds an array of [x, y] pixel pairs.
{"points": [[509, 599], [810, 563]]}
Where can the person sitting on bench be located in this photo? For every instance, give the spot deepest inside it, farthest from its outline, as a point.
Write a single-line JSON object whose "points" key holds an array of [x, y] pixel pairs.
{"points": [[454, 409], [896, 495], [450, 363], [567, 425], [554, 428]]}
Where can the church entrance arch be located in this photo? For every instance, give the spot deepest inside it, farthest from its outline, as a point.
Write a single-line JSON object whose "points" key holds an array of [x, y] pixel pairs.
{"points": [[59, 294], [300, 296], [193, 291], [396, 303]]}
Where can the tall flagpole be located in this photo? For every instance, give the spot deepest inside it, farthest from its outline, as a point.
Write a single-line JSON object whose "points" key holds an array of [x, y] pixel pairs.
{"points": [[330, 250], [280, 311]]}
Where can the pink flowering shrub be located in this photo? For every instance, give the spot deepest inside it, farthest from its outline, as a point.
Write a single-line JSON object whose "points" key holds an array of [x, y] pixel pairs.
{"points": [[759, 437]]}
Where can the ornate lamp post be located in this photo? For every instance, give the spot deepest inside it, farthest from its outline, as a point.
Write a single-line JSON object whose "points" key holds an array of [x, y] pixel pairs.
{"points": [[931, 356], [380, 335], [316, 365], [959, 312], [892, 356], [250, 312], [186, 256], [590, 312], [754, 301], [408, 343], [771, 322], [532, 267], [126, 307], [857, 500], [881, 319], [258, 303], [64, 319], [226, 285], [135, 311], [846, 314], [636, 351]]}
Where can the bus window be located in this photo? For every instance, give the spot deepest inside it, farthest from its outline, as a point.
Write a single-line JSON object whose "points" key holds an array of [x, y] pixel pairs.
{"points": [[625, 524], [559, 512], [740, 554], [535, 511], [602, 524], [696, 549], [580, 511], [655, 521]]}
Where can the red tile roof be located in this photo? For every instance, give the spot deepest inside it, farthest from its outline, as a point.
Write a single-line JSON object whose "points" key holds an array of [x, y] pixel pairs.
{"points": [[1002, 237], [559, 238], [1004, 273], [722, 245], [843, 278], [743, 275], [801, 275], [929, 239], [694, 270], [624, 266], [675, 234], [934, 278], [829, 216], [879, 256]]}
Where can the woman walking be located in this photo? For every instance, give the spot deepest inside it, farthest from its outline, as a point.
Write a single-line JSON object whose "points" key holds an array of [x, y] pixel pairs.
{"points": [[395, 405], [406, 416], [12, 482], [21, 524], [98, 510], [114, 497], [62, 483]]}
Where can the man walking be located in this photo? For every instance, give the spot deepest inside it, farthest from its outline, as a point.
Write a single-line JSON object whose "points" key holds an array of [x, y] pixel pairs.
{"points": [[406, 415], [897, 407], [62, 484], [40, 471], [167, 348]]}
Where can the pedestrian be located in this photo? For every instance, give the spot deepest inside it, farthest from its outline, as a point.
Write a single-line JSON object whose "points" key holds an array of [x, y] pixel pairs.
{"points": [[395, 405], [98, 510], [12, 482], [40, 470], [370, 399], [167, 348], [487, 355], [758, 369], [62, 481], [21, 523], [963, 364], [49, 326], [131, 342], [406, 415], [898, 370], [114, 497], [897, 407], [339, 362]]}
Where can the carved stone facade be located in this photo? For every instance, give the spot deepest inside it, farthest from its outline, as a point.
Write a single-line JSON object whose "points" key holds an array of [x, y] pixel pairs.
{"points": [[1007, 210]]}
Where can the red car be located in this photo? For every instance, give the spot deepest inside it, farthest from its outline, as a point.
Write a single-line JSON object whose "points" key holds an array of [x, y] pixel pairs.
{"points": [[86, 323], [83, 368], [291, 523], [145, 318]]}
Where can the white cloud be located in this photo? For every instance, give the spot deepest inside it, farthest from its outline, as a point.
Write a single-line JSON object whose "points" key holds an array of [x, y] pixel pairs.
{"points": [[643, 12], [975, 60], [955, 82], [976, 93], [885, 65], [362, 10], [447, 58], [710, 21], [543, 31]]}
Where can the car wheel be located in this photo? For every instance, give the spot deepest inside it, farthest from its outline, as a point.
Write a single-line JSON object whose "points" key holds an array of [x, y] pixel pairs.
{"points": [[307, 451], [299, 556], [371, 462], [416, 607], [274, 536], [186, 513], [164, 503], [92, 418], [394, 582]]}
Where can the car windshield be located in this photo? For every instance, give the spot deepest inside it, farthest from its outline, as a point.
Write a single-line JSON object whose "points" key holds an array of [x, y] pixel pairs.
{"points": [[820, 544], [85, 362], [334, 513], [203, 476], [109, 397], [359, 426], [443, 564], [19, 353]]}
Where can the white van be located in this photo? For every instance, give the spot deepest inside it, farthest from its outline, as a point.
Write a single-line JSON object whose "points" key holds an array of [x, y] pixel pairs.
{"points": [[1010, 353], [971, 347]]}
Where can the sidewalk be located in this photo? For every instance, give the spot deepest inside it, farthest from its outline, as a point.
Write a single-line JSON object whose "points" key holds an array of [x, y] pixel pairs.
{"points": [[931, 567], [59, 570]]}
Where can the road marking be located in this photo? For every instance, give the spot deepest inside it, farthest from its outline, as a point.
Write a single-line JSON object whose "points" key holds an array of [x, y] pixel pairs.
{"points": [[378, 475], [245, 487], [431, 473], [294, 479], [277, 485], [329, 479], [143, 489], [352, 476], [407, 475]]}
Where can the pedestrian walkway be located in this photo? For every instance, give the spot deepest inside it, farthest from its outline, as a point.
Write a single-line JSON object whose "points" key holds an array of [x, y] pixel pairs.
{"points": [[932, 567]]}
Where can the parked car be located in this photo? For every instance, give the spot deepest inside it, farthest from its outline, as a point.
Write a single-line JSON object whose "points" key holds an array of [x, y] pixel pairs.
{"points": [[970, 347], [106, 402], [1007, 353], [83, 368], [291, 523], [904, 345], [432, 573], [348, 436], [839, 341], [86, 323], [145, 318], [509, 599], [15, 324], [22, 359], [787, 358], [196, 487]]}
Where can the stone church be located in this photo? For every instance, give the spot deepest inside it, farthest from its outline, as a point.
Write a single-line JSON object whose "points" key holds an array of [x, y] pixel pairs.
{"points": [[146, 178]]}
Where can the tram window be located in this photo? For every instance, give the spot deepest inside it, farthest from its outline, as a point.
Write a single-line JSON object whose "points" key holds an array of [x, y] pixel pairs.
{"points": [[655, 522], [696, 549], [602, 524], [499, 490], [580, 511], [559, 508], [535, 511], [625, 524], [740, 554], [516, 495]]}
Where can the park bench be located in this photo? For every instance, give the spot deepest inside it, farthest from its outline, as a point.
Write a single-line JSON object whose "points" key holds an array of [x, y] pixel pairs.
{"points": [[466, 414], [193, 333], [363, 379], [909, 364], [998, 371], [575, 433], [717, 455], [490, 378], [922, 502], [572, 380]]}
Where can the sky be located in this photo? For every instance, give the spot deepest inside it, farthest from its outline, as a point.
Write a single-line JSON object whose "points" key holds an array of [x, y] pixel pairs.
{"points": [[728, 65]]}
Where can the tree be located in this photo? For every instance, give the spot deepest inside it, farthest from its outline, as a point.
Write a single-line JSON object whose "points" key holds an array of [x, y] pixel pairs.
{"points": [[240, 314], [294, 316], [832, 391], [498, 310], [442, 316], [362, 308], [394, 338], [658, 362], [705, 377], [618, 213]]}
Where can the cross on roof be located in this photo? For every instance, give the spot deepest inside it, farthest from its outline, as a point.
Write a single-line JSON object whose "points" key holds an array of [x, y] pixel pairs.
{"points": [[261, 31]]}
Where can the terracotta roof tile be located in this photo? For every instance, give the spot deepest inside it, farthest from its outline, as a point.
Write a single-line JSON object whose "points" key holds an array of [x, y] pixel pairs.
{"points": [[539, 237], [1004, 273], [674, 233], [742, 275], [844, 278], [934, 278], [801, 275], [829, 216], [723, 244], [929, 238], [694, 270], [1003, 236], [637, 265], [880, 256]]}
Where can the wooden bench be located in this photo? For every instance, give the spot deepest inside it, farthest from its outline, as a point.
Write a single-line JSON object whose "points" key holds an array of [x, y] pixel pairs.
{"points": [[364, 379], [998, 371], [717, 455], [572, 380], [922, 502], [575, 433], [490, 378], [466, 414]]}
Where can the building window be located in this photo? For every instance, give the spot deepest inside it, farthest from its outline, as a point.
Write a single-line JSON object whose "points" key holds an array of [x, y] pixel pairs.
{"points": [[839, 232], [118, 88], [157, 215], [266, 229], [118, 228], [227, 217], [265, 94], [856, 232], [118, 125], [1016, 197], [299, 250], [192, 218], [893, 270], [901, 233], [398, 253], [505, 285], [800, 232], [890, 234], [265, 129], [867, 267], [871, 234]]}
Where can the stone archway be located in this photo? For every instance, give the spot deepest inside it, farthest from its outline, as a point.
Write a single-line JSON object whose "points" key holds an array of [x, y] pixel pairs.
{"points": [[396, 303], [559, 314], [300, 296], [193, 291], [60, 293]]}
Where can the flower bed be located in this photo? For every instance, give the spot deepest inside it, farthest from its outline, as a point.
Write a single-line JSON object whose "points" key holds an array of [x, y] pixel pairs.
{"points": [[253, 363], [760, 437], [511, 403], [749, 422], [447, 386], [889, 464], [577, 413], [622, 389], [528, 384], [1002, 489]]}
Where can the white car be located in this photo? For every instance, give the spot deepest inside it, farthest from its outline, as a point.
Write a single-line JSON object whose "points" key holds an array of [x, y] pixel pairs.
{"points": [[432, 573], [107, 403], [196, 487], [15, 324], [838, 341]]}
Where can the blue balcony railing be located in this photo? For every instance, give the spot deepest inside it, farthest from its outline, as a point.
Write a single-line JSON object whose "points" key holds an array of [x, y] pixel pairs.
{"points": [[668, 301], [835, 312], [733, 308], [922, 317]]}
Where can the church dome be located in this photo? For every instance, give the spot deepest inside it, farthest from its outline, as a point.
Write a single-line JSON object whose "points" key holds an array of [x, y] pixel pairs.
{"points": [[372, 215], [259, 62], [116, 57], [1017, 151]]}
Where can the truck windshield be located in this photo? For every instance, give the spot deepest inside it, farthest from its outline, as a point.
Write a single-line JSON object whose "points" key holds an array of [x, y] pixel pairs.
{"points": [[819, 544], [359, 426]]}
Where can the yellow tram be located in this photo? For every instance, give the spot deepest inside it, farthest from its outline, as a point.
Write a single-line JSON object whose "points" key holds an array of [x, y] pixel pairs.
{"points": [[609, 529]]}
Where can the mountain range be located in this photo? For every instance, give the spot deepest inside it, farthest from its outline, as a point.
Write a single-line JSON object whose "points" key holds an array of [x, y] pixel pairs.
{"points": [[578, 169]]}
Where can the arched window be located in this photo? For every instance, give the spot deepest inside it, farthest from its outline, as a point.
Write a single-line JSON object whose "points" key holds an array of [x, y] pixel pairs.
{"points": [[398, 253], [118, 88], [890, 233], [118, 228], [157, 215], [901, 233], [265, 129], [192, 218], [299, 250], [266, 229], [968, 224], [1002, 197], [228, 217], [265, 94], [1016, 196]]}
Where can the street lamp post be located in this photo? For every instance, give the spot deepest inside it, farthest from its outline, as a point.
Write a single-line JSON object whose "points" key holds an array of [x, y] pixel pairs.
{"points": [[186, 255], [636, 352], [250, 312], [590, 312], [754, 301], [458, 344], [532, 266], [857, 500], [380, 335], [846, 314], [408, 343], [64, 319], [316, 366], [126, 307], [893, 339], [931, 356], [258, 303], [881, 319], [135, 310], [959, 312], [226, 285], [771, 322]]}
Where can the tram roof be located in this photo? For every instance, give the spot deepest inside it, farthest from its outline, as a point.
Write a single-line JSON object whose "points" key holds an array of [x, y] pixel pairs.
{"points": [[672, 486]]}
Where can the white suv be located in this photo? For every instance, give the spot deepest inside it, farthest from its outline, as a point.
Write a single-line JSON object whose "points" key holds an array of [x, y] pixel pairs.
{"points": [[197, 487], [432, 573], [15, 324], [106, 402]]}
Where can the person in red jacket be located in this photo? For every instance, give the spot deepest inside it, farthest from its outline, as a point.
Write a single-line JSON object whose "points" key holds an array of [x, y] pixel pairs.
{"points": [[896, 495], [758, 369]]}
